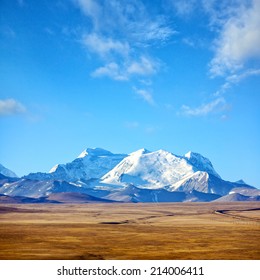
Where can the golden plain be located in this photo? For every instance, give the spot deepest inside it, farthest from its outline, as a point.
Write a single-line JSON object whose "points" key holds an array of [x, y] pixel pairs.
{"points": [[130, 231]]}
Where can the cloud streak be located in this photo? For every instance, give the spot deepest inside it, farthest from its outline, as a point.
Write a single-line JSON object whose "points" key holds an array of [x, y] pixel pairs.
{"points": [[145, 66], [145, 94], [104, 46], [128, 19], [236, 78], [111, 70], [11, 107], [215, 106], [183, 8]]}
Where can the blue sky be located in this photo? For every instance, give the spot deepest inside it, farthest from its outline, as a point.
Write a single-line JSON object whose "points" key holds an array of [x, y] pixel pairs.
{"points": [[176, 75]]}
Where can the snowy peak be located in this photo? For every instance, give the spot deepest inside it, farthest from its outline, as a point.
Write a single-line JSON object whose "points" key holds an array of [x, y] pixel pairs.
{"points": [[201, 163], [139, 152], [90, 164], [141, 176], [96, 152], [58, 168], [54, 168], [149, 169], [7, 172]]}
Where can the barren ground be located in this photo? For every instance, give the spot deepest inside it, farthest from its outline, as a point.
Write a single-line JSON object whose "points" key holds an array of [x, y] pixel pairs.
{"points": [[130, 231]]}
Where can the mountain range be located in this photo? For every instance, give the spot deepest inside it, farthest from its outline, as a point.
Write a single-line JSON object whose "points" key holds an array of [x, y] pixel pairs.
{"points": [[98, 175]]}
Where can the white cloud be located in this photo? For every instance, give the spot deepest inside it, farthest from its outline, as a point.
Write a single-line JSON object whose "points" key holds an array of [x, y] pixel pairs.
{"points": [[111, 70], [89, 7], [104, 46], [183, 7], [236, 78], [129, 19], [92, 9], [134, 25], [122, 72], [239, 40], [150, 31], [11, 107], [145, 94], [121, 31], [144, 66], [217, 105]]}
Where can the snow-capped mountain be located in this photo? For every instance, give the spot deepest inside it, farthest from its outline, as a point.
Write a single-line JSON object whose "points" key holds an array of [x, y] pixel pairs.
{"points": [[201, 163], [153, 170], [7, 172], [162, 169], [141, 176], [91, 163]]}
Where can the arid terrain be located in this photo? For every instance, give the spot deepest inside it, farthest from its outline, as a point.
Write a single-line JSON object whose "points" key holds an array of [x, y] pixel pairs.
{"points": [[130, 231]]}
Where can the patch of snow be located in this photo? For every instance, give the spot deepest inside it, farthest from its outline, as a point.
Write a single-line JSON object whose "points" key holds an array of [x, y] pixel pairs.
{"points": [[201, 163]]}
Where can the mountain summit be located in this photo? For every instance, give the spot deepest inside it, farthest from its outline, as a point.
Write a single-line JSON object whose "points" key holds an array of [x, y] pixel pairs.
{"points": [[94, 152], [152, 170], [141, 176], [201, 163], [90, 164]]}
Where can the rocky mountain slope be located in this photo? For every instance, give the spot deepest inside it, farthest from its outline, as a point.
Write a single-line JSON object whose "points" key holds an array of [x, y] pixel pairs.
{"points": [[141, 176]]}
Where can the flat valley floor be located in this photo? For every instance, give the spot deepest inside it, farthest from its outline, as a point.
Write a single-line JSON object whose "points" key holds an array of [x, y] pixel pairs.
{"points": [[130, 231]]}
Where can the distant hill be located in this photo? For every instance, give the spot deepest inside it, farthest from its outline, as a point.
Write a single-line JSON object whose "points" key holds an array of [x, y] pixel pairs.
{"points": [[237, 197], [68, 197]]}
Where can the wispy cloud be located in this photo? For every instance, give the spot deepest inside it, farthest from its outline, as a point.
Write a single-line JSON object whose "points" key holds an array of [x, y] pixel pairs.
{"points": [[11, 107], [111, 70], [215, 106], [150, 31], [238, 40], [104, 46], [219, 104], [145, 94], [236, 78], [183, 7], [236, 25], [121, 34], [123, 72], [145, 66], [129, 19], [91, 9]]}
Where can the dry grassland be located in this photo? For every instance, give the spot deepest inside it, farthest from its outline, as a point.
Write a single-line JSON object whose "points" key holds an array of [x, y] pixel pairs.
{"points": [[130, 231]]}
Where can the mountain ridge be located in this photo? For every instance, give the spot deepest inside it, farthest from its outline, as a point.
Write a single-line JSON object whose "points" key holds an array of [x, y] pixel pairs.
{"points": [[140, 176], [7, 172]]}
